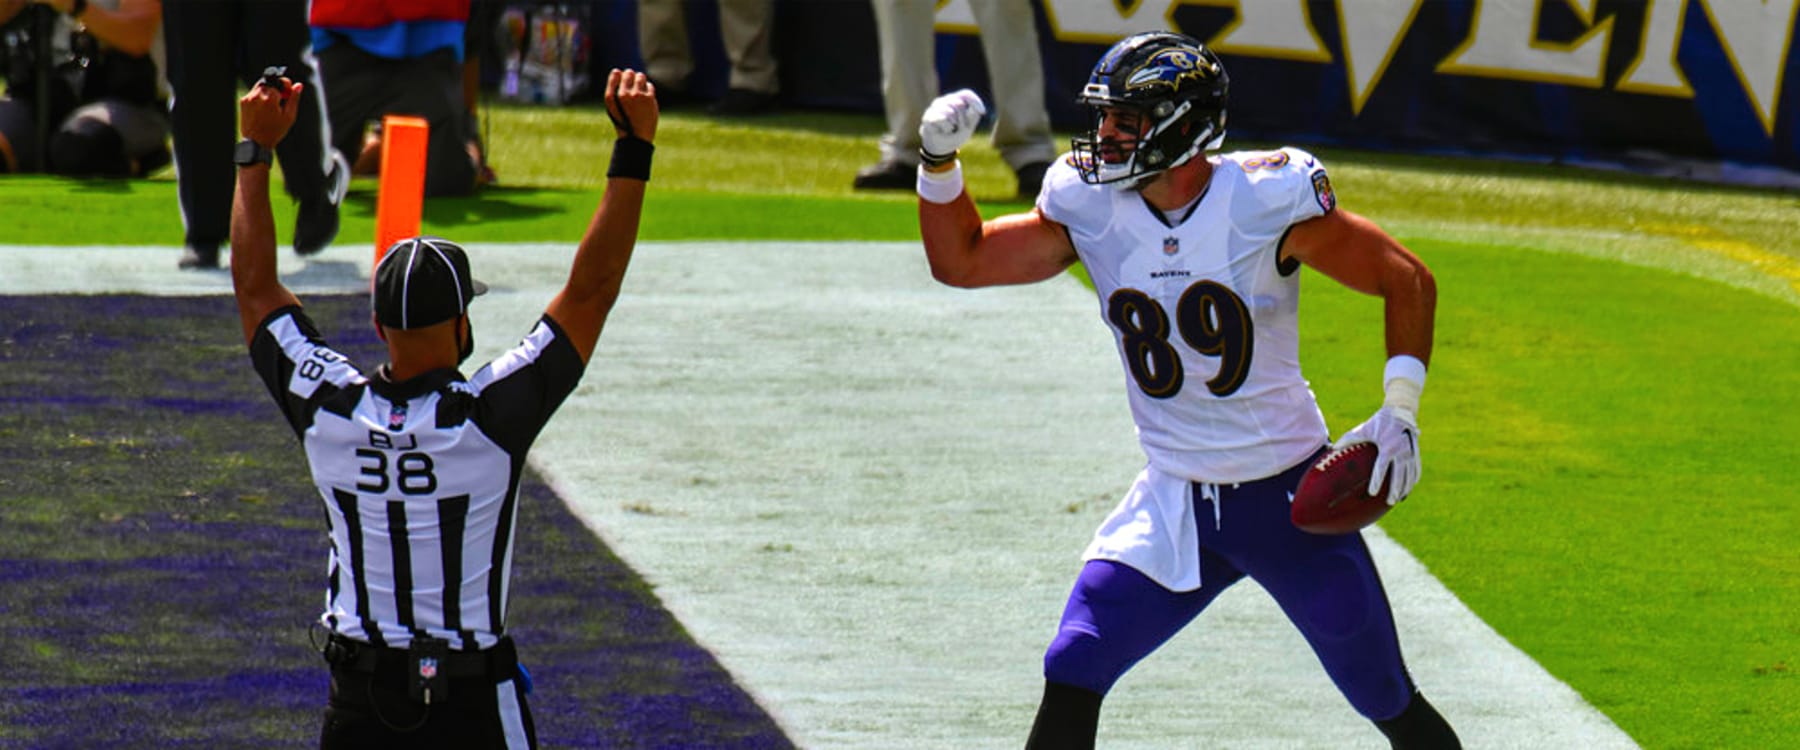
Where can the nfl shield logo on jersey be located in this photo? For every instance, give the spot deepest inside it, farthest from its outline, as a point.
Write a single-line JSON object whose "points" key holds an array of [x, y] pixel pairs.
{"points": [[1171, 245], [428, 668], [397, 418]]}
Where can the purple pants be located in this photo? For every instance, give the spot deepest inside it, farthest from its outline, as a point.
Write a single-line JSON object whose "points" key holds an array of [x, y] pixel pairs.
{"points": [[1327, 586]]}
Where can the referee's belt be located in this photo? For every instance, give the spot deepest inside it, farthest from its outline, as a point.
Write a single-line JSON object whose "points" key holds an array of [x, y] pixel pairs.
{"points": [[499, 661]]}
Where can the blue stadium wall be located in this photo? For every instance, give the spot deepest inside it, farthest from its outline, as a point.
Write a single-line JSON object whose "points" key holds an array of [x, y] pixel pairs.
{"points": [[1687, 87]]}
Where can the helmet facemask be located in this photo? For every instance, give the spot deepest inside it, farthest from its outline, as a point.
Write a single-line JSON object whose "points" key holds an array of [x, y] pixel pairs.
{"points": [[1171, 134]]}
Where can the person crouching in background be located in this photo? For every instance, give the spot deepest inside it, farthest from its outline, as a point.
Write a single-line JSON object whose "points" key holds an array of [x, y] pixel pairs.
{"points": [[106, 98]]}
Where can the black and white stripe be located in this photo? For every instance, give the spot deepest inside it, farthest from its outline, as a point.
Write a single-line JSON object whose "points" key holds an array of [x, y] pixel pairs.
{"points": [[422, 507]]}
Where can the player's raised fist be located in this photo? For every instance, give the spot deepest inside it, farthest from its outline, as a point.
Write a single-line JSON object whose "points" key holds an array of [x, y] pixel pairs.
{"points": [[949, 123], [631, 103]]}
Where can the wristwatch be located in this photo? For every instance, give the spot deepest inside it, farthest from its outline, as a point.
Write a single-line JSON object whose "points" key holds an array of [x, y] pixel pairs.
{"points": [[250, 152]]}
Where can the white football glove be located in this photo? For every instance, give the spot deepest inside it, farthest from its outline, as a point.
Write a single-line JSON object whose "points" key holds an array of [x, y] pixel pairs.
{"points": [[1396, 440], [949, 123]]}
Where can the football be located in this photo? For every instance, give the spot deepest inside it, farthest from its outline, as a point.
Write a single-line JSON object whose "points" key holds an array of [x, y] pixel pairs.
{"points": [[1333, 497]]}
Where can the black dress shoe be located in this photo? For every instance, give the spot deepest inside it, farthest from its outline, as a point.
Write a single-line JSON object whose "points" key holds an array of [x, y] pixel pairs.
{"points": [[1031, 179], [200, 256], [887, 175], [742, 103]]}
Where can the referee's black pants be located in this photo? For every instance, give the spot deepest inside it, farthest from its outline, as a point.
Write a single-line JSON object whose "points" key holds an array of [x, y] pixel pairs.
{"points": [[370, 709], [213, 46]]}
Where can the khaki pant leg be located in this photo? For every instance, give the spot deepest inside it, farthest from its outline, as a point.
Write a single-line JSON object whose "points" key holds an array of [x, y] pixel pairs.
{"points": [[746, 26], [663, 39], [909, 78], [1009, 42]]}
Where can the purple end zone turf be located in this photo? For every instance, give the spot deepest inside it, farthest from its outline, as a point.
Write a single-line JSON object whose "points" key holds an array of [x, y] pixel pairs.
{"points": [[162, 552]]}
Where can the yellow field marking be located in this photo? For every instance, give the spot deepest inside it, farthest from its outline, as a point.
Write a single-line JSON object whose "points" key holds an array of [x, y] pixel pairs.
{"points": [[1712, 240]]}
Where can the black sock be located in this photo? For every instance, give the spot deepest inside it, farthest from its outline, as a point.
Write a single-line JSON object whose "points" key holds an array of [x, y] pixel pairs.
{"points": [[1419, 727], [1066, 720]]}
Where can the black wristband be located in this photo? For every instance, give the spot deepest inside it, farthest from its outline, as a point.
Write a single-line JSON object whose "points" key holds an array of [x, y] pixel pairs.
{"points": [[934, 160], [631, 158]]}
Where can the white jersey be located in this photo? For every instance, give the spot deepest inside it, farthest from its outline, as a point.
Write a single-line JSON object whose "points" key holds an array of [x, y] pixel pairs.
{"points": [[1205, 316]]}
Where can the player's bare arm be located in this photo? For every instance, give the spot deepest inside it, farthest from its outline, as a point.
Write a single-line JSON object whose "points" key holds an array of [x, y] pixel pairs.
{"points": [[966, 252], [605, 251], [963, 250], [1358, 254], [264, 116]]}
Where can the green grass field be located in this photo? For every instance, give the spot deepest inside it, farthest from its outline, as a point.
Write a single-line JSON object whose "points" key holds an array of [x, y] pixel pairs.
{"points": [[1609, 432]]}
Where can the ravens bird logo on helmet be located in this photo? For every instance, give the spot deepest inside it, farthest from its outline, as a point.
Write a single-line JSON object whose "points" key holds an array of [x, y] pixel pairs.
{"points": [[1169, 69]]}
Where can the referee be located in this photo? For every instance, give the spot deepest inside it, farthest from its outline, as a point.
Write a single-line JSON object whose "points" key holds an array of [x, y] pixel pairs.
{"points": [[417, 465]]}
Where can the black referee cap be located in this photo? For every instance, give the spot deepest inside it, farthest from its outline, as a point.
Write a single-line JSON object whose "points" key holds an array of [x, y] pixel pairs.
{"points": [[423, 281]]}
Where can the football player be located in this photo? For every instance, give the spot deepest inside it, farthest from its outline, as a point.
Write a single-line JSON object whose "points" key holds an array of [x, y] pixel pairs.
{"points": [[1195, 257]]}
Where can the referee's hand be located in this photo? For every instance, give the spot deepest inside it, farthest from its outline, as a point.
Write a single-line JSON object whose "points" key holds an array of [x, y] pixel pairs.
{"points": [[631, 103], [266, 113]]}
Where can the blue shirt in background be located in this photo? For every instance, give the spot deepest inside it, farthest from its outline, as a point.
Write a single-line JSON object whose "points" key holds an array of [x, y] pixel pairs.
{"points": [[399, 40]]}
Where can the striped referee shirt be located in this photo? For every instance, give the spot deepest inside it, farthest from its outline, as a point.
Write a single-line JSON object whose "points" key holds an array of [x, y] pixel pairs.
{"points": [[420, 479]]}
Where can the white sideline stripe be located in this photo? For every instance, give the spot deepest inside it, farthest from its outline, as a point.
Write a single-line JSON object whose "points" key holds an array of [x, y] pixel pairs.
{"points": [[868, 494]]}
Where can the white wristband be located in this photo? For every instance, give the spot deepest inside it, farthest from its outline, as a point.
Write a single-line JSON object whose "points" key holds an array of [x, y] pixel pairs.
{"points": [[1402, 382], [941, 187]]}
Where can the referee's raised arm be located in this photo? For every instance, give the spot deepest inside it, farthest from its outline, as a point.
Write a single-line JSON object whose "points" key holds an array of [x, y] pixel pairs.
{"points": [[599, 269], [264, 116]]}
